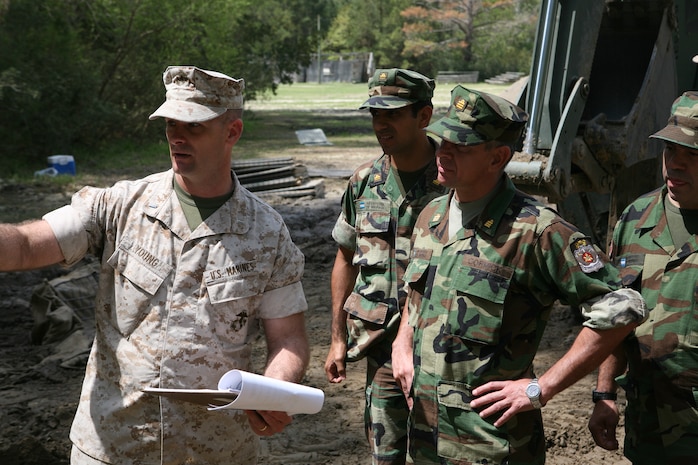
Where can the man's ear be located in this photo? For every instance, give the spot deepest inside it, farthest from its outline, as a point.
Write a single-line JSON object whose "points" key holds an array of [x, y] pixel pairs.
{"points": [[501, 156], [424, 116], [235, 130]]}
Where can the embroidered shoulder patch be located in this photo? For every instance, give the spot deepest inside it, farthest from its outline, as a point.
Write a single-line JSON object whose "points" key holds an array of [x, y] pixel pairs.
{"points": [[585, 254]]}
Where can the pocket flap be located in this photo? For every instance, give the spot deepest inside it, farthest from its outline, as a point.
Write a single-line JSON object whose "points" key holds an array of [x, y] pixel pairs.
{"points": [[454, 394], [367, 310], [372, 222], [231, 289], [139, 266]]}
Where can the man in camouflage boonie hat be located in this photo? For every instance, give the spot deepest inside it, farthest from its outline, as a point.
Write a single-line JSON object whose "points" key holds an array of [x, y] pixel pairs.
{"points": [[488, 262], [397, 88], [379, 208], [475, 117], [192, 265], [655, 245]]}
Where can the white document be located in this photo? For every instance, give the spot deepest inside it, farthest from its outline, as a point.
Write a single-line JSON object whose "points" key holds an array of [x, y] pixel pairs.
{"points": [[242, 390]]}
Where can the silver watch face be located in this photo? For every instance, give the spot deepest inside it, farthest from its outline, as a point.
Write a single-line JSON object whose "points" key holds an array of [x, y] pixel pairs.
{"points": [[533, 390]]}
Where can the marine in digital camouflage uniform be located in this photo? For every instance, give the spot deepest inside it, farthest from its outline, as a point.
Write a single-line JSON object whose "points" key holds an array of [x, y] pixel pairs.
{"points": [[655, 246], [379, 208], [488, 263], [191, 263]]}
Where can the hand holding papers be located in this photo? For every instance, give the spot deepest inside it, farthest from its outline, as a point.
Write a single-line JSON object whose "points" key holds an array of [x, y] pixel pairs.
{"points": [[248, 391]]}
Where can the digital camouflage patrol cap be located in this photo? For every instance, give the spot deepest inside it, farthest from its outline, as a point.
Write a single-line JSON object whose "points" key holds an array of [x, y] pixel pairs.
{"points": [[397, 88], [475, 117], [195, 95], [682, 127]]}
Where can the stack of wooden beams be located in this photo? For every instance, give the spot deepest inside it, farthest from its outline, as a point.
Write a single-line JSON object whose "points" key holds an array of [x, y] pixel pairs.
{"points": [[277, 176]]}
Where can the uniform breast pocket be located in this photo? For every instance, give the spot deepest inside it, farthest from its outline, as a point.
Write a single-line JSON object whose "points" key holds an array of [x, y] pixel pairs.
{"points": [[139, 275], [477, 308], [234, 304], [373, 239]]}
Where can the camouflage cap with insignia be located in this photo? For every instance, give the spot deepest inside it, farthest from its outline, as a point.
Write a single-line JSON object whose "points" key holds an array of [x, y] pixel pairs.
{"points": [[475, 117], [682, 127], [195, 95], [397, 88]]}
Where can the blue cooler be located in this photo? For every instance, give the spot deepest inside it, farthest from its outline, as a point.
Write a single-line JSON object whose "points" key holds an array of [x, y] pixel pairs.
{"points": [[63, 164]]}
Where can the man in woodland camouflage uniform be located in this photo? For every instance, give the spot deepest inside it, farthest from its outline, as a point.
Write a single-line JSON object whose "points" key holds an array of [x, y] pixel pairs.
{"points": [[488, 263], [379, 208], [191, 263], [655, 245]]}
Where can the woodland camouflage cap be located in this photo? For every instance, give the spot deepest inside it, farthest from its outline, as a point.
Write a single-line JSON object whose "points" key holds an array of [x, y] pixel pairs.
{"points": [[195, 95], [476, 117], [397, 88], [682, 127]]}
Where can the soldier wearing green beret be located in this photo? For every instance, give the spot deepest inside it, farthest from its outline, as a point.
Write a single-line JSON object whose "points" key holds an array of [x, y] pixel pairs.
{"points": [[488, 263], [380, 205], [655, 245]]}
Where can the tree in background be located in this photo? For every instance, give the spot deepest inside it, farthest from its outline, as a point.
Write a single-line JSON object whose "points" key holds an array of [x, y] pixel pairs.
{"points": [[491, 36], [77, 73], [80, 72], [505, 38], [46, 89], [439, 33], [461, 34], [369, 26]]}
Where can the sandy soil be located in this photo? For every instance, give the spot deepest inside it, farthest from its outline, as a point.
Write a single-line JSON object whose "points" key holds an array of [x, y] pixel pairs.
{"points": [[38, 398]]}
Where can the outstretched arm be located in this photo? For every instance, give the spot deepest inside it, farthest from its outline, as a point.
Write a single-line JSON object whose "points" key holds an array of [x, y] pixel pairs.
{"points": [[343, 278], [590, 348], [28, 246], [288, 355]]}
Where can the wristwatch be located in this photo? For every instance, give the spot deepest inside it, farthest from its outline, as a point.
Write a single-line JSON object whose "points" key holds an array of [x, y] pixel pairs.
{"points": [[533, 393], [599, 395]]}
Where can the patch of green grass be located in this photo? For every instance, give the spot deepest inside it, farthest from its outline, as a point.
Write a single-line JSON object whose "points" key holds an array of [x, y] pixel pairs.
{"points": [[273, 131], [312, 96], [343, 96]]}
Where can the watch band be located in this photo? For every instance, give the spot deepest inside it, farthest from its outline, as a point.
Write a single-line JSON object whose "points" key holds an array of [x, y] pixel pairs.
{"points": [[600, 395]]}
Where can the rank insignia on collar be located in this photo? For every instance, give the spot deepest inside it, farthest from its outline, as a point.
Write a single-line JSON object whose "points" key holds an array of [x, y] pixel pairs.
{"points": [[586, 255]]}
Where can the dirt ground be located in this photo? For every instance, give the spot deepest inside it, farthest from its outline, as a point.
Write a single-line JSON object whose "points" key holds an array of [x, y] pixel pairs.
{"points": [[38, 397]]}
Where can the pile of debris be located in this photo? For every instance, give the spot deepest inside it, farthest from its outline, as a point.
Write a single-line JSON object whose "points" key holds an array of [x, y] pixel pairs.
{"points": [[277, 176]]}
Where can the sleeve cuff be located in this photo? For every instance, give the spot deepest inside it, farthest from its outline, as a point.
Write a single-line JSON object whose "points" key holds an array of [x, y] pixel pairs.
{"points": [[615, 309], [283, 302], [70, 233]]}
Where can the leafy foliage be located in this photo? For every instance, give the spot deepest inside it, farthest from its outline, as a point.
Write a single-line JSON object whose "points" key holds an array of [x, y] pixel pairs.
{"points": [[491, 36], [80, 72], [505, 39], [451, 33], [369, 26]]}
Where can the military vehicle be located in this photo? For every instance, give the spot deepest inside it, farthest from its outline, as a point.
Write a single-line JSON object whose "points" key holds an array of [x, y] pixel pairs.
{"points": [[603, 77]]}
